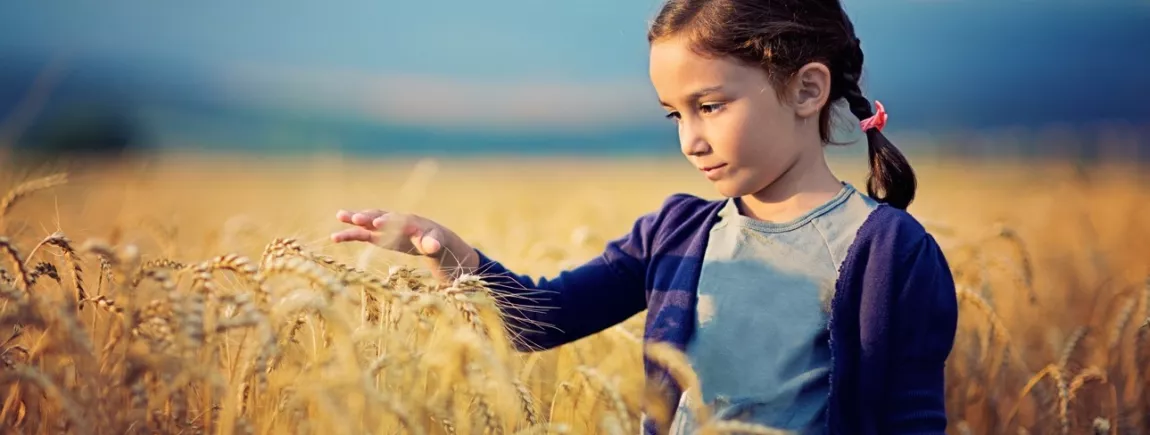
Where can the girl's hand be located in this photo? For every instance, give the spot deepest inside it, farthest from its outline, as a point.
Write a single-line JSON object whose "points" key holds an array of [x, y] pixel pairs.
{"points": [[409, 234]]}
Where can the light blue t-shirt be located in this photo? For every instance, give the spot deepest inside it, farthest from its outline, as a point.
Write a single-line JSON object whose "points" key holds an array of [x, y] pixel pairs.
{"points": [[760, 346]]}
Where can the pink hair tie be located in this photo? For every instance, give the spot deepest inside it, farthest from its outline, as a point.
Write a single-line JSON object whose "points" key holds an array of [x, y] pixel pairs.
{"points": [[878, 121]]}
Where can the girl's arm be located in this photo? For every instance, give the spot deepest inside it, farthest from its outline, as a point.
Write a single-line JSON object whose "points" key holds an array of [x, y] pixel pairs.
{"points": [[543, 313], [547, 312], [924, 320]]}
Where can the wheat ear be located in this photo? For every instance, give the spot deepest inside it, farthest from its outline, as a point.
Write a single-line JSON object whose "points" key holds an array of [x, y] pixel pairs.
{"points": [[1071, 345], [14, 257], [1010, 235], [59, 240]]}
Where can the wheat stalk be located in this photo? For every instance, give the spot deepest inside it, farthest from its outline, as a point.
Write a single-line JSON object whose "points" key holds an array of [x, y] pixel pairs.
{"points": [[1087, 375], [1055, 373], [27, 188], [619, 407], [724, 427], [680, 369]]}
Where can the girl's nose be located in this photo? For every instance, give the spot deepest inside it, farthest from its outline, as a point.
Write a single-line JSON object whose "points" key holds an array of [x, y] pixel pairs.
{"points": [[691, 142]]}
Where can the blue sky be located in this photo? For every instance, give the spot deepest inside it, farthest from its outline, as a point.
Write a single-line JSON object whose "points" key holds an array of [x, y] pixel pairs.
{"points": [[488, 39], [550, 61]]}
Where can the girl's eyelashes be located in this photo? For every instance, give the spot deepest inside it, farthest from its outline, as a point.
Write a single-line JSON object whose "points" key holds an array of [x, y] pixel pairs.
{"points": [[710, 108], [703, 109], [707, 108]]}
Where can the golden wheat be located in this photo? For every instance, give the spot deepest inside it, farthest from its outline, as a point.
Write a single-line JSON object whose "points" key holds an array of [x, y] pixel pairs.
{"points": [[202, 328]]}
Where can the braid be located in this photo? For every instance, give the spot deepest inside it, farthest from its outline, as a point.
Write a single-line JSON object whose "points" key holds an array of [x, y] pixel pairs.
{"points": [[852, 72], [890, 172]]}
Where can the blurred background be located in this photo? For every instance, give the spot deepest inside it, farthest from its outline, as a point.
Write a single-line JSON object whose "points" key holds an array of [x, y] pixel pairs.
{"points": [[1054, 79]]}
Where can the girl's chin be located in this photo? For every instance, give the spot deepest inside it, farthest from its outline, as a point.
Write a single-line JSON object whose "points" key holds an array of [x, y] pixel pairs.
{"points": [[730, 189]]}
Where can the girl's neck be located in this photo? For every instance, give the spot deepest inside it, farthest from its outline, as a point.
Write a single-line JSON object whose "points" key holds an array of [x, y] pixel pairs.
{"points": [[807, 184]]}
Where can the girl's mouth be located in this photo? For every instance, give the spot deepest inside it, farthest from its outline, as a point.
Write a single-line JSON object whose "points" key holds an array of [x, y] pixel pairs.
{"points": [[712, 172]]}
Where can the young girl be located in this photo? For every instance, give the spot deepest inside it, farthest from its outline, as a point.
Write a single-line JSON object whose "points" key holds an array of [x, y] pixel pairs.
{"points": [[802, 303]]}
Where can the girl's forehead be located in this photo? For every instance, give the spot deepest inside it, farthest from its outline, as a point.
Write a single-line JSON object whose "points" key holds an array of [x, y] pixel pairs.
{"points": [[673, 59], [675, 67]]}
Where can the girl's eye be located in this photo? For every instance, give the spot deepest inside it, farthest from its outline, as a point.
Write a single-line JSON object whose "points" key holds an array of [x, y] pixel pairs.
{"points": [[708, 108], [673, 116]]}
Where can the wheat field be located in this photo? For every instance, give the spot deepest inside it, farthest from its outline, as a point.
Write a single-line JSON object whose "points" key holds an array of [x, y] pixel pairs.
{"points": [[197, 295]]}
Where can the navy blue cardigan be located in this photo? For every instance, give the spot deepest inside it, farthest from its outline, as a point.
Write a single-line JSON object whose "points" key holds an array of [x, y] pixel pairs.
{"points": [[892, 322]]}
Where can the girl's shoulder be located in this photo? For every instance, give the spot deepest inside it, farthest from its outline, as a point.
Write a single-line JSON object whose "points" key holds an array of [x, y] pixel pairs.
{"points": [[892, 238], [892, 228], [678, 209], [896, 266], [676, 225], [686, 206]]}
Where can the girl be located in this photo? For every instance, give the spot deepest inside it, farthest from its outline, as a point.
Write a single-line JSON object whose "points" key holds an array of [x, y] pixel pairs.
{"points": [[802, 303]]}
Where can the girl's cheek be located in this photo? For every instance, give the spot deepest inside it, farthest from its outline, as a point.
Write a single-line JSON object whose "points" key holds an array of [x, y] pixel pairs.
{"points": [[735, 134]]}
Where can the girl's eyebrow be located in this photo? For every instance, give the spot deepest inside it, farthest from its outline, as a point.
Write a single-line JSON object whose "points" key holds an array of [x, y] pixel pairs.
{"points": [[697, 94]]}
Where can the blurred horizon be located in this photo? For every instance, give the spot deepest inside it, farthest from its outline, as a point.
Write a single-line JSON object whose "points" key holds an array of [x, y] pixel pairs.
{"points": [[520, 77]]}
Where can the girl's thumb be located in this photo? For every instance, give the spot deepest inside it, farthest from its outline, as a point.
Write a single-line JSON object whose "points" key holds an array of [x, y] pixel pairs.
{"points": [[429, 242]]}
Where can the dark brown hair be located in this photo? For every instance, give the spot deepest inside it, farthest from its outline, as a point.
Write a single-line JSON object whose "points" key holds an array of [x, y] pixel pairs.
{"points": [[781, 36]]}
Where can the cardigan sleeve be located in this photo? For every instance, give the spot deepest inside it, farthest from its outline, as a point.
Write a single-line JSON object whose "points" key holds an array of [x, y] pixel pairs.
{"points": [[924, 321], [545, 312]]}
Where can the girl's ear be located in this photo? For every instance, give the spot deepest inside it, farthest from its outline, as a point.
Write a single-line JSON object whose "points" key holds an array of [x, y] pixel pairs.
{"points": [[810, 88]]}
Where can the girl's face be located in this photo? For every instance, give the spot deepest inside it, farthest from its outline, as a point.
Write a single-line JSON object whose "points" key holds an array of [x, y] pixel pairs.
{"points": [[733, 127]]}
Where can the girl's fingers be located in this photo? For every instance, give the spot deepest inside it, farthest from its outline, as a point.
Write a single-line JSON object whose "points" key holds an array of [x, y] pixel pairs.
{"points": [[355, 234], [364, 218], [395, 225], [351, 217], [379, 222]]}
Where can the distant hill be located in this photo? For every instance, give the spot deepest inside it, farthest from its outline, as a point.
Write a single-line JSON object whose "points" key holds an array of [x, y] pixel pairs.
{"points": [[940, 67]]}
